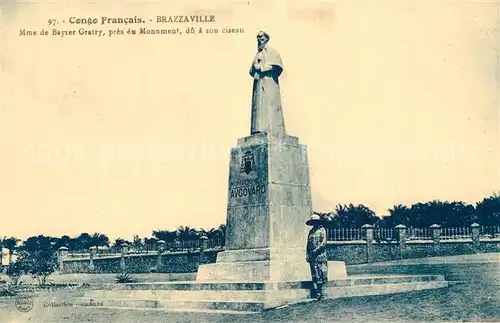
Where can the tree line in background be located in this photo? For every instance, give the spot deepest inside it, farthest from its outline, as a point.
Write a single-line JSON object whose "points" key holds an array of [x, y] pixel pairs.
{"points": [[418, 215], [37, 256], [84, 241]]}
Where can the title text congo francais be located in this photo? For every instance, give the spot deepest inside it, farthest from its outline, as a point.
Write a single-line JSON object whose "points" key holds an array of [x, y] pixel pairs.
{"points": [[138, 20]]}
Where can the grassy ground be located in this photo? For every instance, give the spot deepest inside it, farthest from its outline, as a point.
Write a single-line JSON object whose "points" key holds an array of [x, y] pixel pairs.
{"points": [[105, 278], [476, 299]]}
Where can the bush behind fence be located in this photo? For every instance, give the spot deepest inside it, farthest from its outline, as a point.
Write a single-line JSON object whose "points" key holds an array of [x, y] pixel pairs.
{"points": [[380, 235], [351, 245]]}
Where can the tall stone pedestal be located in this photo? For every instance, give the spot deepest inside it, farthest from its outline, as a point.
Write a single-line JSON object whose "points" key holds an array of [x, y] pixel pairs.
{"points": [[269, 201]]}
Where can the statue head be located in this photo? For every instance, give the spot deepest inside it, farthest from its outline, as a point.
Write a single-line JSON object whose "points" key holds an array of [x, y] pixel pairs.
{"points": [[262, 39]]}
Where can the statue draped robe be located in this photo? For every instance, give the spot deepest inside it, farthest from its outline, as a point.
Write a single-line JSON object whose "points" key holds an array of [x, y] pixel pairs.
{"points": [[267, 112]]}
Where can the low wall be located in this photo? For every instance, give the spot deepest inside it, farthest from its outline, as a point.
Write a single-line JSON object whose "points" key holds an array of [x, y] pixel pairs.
{"points": [[352, 253], [359, 252], [479, 268], [172, 262]]}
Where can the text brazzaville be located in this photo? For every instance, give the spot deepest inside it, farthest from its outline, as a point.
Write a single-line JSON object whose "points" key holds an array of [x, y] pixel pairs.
{"points": [[248, 191]]}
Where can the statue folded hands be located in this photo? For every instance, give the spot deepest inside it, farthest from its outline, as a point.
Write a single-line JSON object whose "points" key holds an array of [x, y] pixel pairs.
{"points": [[267, 112]]}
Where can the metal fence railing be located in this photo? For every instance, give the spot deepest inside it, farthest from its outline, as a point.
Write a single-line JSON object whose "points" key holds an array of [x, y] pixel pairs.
{"points": [[418, 233], [333, 235], [344, 234], [383, 234], [490, 232], [456, 233], [411, 233], [188, 245]]}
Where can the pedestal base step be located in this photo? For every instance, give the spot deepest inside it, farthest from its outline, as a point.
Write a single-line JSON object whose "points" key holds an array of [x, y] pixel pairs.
{"points": [[266, 270], [202, 305], [247, 297]]}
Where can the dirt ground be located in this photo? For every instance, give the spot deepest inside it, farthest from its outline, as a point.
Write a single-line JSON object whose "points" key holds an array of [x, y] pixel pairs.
{"points": [[462, 302], [96, 279], [476, 299]]}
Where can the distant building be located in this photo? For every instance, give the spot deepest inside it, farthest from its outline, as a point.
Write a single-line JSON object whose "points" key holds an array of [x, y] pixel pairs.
{"points": [[5, 257]]}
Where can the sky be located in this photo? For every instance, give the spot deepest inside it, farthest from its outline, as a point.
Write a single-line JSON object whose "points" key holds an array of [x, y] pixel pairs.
{"points": [[397, 102]]}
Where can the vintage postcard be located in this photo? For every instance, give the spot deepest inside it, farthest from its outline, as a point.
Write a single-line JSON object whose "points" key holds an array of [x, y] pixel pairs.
{"points": [[262, 161]]}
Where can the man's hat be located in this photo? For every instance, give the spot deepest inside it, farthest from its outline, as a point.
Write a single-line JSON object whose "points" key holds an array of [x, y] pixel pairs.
{"points": [[314, 219]]}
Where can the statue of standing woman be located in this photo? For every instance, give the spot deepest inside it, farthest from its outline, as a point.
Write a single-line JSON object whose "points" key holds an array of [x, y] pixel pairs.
{"points": [[267, 112]]}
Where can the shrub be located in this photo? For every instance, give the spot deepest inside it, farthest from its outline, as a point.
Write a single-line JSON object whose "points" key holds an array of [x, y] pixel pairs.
{"points": [[15, 270], [124, 278], [7, 291], [41, 264]]}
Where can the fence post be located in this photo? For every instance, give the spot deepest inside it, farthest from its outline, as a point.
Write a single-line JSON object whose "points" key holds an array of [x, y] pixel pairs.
{"points": [[2, 268], [369, 242], [203, 246], [436, 237], [123, 251], [92, 252], [177, 245], [160, 246], [476, 234], [61, 253], [401, 229]]}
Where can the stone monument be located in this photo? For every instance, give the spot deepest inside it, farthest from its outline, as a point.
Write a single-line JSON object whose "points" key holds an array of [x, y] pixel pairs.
{"points": [[269, 198], [263, 265]]}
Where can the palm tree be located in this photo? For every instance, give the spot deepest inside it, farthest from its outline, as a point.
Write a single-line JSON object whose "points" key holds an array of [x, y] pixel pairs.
{"points": [[458, 214], [150, 243], [165, 235], [99, 240], [341, 215], [354, 216], [398, 214], [138, 244], [64, 241], [119, 242], [84, 242], [221, 234], [488, 210], [187, 233]]}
